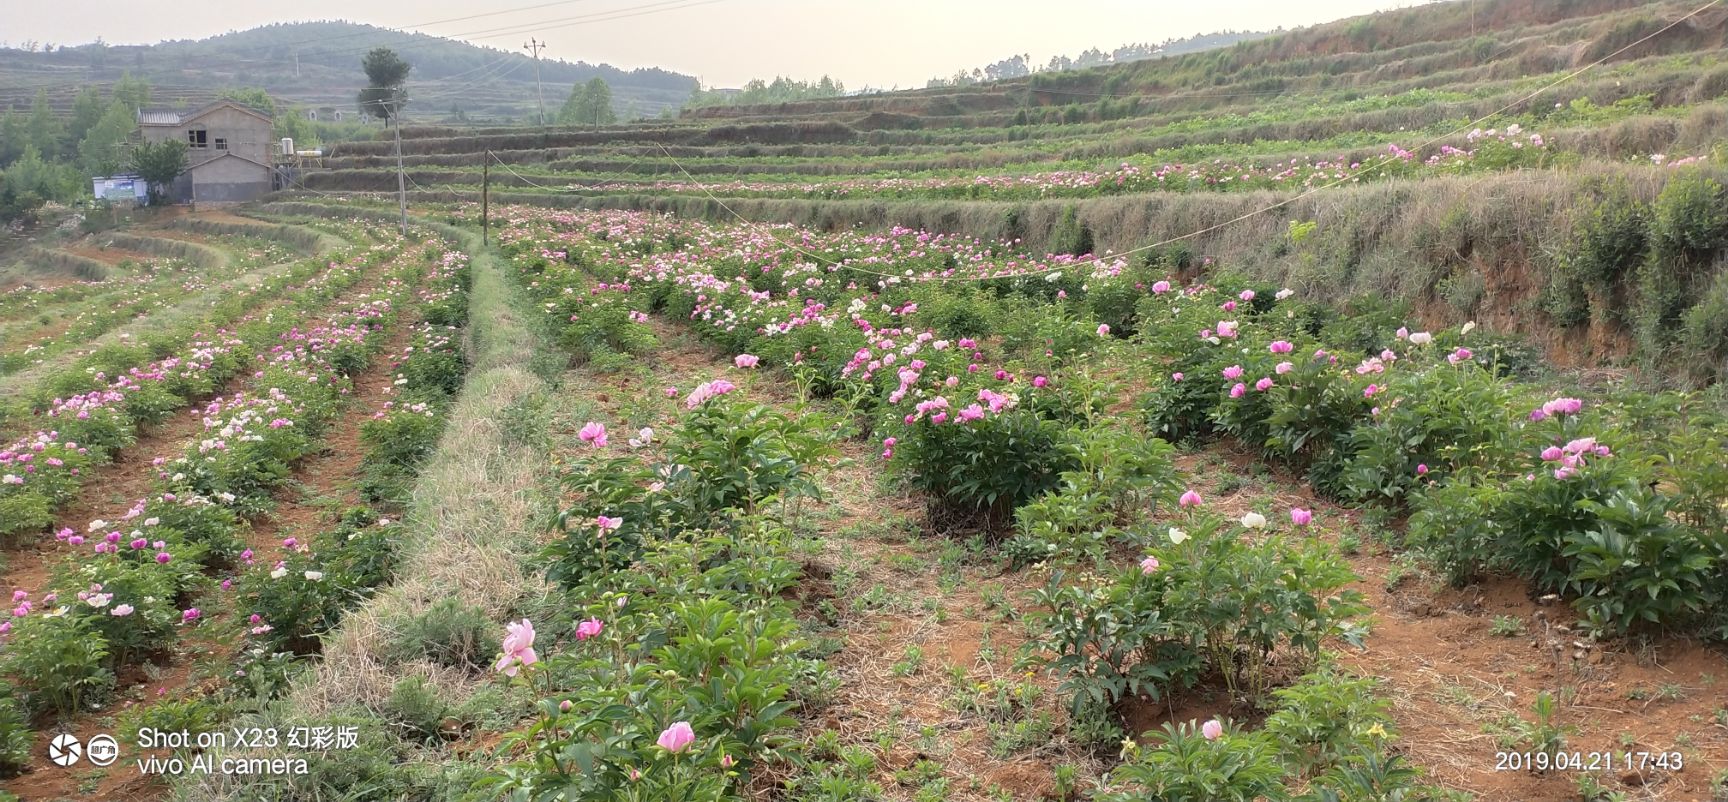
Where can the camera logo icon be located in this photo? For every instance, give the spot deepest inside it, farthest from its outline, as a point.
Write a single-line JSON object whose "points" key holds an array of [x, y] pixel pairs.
{"points": [[65, 749]]}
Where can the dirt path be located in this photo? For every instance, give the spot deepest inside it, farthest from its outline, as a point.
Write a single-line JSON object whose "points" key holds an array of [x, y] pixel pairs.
{"points": [[321, 486], [109, 255]]}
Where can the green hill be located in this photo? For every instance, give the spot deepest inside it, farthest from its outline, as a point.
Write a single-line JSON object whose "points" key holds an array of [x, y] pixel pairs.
{"points": [[317, 65]]}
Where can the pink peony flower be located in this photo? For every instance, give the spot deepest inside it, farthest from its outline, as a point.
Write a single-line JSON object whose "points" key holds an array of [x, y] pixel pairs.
{"points": [[593, 434], [1149, 565], [1300, 517], [1176, 377], [1264, 384], [1189, 499], [1212, 729], [1238, 390], [1160, 287], [1233, 372], [1281, 347], [121, 610], [1103, 329], [677, 737], [588, 629], [518, 648], [746, 360]]}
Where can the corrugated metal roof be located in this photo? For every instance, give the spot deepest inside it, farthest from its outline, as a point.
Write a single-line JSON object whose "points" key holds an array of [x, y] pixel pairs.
{"points": [[159, 117]]}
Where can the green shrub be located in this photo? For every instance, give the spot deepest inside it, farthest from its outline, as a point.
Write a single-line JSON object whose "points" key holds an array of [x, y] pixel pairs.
{"points": [[1610, 239], [981, 471], [1689, 220], [415, 709], [15, 733], [194, 715], [1327, 717], [61, 662], [1120, 479], [448, 633], [1178, 764], [1703, 336], [1446, 418], [1070, 236], [1213, 602]]}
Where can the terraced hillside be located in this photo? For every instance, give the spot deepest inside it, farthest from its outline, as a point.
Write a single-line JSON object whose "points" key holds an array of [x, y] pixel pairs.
{"points": [[1457, 163]]}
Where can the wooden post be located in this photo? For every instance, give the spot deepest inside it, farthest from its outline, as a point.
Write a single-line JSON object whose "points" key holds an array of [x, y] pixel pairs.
{"points": [[485, 187]]}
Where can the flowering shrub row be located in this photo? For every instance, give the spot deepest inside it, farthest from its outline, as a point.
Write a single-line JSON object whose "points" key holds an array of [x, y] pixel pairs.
{"points": [[674, 664], [1485, 151], [136, 580], [1607, 501], [114, 392]]}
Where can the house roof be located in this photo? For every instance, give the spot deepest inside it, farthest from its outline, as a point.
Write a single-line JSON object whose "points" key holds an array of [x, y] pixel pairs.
{"points": [[174, 118]]}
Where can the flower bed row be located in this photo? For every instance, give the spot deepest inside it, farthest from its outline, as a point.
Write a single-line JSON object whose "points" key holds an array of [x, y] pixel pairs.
{"points": [[156, 283], [97, 408], [129, 586], [1482, 151]]}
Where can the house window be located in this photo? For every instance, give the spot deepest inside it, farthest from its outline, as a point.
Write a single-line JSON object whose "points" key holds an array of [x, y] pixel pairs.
{"points": [[221, 144], [196, 139]]}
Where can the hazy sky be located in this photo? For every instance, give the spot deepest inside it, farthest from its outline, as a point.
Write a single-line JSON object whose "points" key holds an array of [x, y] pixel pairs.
{"points": [[724, 42]]}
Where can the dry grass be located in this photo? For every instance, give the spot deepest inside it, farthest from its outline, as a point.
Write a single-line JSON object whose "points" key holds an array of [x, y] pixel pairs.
{"points": [[473, 516]]}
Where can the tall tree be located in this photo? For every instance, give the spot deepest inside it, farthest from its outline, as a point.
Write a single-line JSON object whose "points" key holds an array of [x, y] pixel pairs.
{"points": [[384, 97], [99, 152], [254, 97], [588, 104], [384, 94], [87, 108], [44, 131], [134, 92], [159, 163], [12, 137]]}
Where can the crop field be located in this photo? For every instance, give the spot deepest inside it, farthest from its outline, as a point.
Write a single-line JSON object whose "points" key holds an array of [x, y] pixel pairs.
{"points": [[1104, 435]]}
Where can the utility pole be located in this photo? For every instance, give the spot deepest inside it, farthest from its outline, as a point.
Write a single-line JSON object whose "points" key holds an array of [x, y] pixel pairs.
{"points": [[485, 196], [535, 46], [401, 177]]}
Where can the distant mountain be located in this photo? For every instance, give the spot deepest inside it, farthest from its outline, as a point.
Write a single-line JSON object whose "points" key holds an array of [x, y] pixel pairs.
{"points": [[317, 64]]}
